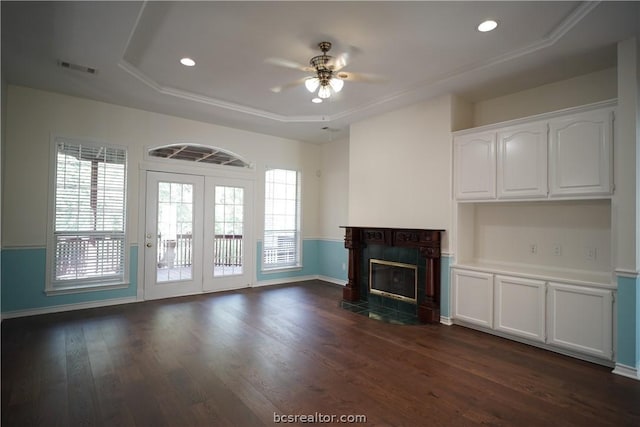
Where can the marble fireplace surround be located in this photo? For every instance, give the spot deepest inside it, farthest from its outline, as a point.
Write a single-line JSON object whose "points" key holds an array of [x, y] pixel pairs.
{"points": [[425, 241]]}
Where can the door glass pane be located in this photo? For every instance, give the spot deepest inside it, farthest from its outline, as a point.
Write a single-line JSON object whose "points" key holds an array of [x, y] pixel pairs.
{"points": [[175, 231], [228, 253]]}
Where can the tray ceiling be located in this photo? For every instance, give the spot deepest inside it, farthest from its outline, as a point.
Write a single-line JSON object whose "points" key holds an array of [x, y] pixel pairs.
{"points": [[422, 49]]}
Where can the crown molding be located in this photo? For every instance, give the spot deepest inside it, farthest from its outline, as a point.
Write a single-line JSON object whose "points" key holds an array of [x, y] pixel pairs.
{"points": [[203, 99]]}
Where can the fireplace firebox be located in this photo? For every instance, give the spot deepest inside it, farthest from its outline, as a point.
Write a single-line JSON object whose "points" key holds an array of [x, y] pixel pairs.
{"points": [[393, 280], [381, 253]]}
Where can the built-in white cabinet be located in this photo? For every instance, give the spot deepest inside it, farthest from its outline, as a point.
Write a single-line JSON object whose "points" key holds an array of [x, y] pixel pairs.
{"points": [[475, 157], [522, 161], [580, 319], [555, 155], [473, 297], [520, 307], [533, 230], [565, 316], [581, 154]]}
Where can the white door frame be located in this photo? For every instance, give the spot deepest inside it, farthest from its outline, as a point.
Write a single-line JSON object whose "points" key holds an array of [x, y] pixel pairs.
{"points": [[153, 289], [225, 283], [182, 167]]}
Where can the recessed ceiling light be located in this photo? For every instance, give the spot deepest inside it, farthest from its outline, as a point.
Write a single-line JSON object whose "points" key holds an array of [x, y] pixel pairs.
{"points": [[488, 25], [316, 100], [187, 62]]}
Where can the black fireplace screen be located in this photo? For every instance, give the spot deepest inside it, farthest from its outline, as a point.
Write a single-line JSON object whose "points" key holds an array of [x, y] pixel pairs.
{"points": [[393, 279]]}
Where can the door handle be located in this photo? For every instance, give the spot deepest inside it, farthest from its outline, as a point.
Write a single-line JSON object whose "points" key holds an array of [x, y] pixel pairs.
{"points": [[149, 245]]}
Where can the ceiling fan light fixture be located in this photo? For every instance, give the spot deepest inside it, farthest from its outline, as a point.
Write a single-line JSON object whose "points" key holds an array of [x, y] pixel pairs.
{"points": [[187, 62], [488, 25], [312, 84], [316, 100], [324, 92], [336, 84]]}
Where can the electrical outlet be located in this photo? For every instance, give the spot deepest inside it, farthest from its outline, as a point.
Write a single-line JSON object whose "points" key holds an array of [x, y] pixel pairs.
{"points": [[533, 248], [344, 266], [590, 253], [556, 250]]}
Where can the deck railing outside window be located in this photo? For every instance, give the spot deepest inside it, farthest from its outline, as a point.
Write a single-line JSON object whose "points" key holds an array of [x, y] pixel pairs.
{"points": [[178, 252]]}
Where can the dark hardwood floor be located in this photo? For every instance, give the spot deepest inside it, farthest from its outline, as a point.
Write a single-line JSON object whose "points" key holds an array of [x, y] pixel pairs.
{"points": [[236, 358]]}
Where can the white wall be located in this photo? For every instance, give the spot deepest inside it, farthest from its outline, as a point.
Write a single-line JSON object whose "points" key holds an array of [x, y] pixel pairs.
{"points": [[626, 201], [580, 90], [503, 232], [400, 168], [334, 189], [34, 116]]}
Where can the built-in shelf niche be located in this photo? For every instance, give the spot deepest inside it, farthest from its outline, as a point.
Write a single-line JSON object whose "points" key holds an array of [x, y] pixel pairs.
{"points": [[557, 239]]}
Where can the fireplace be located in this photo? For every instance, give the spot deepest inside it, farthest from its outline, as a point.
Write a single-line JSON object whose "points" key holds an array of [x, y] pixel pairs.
{"points": [[381, 258], [393, 280]]}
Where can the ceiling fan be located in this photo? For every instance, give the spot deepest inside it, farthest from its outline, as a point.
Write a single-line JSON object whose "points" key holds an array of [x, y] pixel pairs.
{"points": [[328, 76]]}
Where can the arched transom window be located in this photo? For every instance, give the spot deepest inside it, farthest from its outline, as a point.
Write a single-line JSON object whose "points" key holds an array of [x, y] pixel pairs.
{"points": [[200, 154]]}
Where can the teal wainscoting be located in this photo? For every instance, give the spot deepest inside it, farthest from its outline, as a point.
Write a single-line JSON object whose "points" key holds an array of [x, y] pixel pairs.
{"points": [[333, 258], [23, 282], [628, 300], [319, 258], [445, 286]]}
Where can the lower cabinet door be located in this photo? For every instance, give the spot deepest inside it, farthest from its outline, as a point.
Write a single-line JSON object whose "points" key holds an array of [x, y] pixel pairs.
{"points": [[520, 307], [580, 319], [473, 297]]}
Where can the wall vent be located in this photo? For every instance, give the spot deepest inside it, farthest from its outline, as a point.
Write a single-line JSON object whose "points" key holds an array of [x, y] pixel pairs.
{"points": [[72, 66]]}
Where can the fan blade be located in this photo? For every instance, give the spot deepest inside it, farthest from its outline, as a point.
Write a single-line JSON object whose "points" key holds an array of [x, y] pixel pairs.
{"points": [[360, 77], [279, 89], [340, 61], [288, 64]]}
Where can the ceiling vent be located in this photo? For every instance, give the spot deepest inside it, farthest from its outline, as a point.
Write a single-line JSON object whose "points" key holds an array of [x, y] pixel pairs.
{"points": [[72, 66]]}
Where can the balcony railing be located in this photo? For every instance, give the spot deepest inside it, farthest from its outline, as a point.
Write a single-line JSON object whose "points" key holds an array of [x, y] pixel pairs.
{"points": [[88, 256], [178, 252], [280, 248], [79, 257]]}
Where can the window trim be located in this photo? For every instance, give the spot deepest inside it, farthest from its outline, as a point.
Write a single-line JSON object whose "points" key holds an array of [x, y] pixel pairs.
{"points": [[290, 267], [189, 165], [79, 286]]}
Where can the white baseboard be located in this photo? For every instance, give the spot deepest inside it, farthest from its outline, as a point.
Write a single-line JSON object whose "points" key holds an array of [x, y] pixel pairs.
{"points": [[283, 281], [286, 280], [67, 307], [626, 371], [332, 280], [446, 320]]}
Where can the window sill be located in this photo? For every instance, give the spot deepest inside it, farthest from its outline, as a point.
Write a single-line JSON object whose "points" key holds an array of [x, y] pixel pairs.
{"points": [[86, 288], [281, 269]]}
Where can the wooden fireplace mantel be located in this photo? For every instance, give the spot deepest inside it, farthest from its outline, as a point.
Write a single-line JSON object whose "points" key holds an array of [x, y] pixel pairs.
{"points": [[427, 242]]}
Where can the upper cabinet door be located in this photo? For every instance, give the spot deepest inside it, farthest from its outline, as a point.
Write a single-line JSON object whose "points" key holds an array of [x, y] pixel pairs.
{"points": [[581, 154], [522, 161], [475, 166]]}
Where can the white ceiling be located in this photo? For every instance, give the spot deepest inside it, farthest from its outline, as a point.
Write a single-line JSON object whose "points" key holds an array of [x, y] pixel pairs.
{"points": [[423, 49]]}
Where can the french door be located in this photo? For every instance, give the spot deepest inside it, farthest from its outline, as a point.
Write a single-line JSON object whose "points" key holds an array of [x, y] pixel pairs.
{"points": [[197, 234]]}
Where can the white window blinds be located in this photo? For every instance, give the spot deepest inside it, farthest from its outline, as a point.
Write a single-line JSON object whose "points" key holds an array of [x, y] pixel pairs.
{"points": [[281, 245], [89, 215]]}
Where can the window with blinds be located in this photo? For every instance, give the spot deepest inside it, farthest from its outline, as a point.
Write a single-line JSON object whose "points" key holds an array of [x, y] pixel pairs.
{"points": [[281, 245], [89, 215]]}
